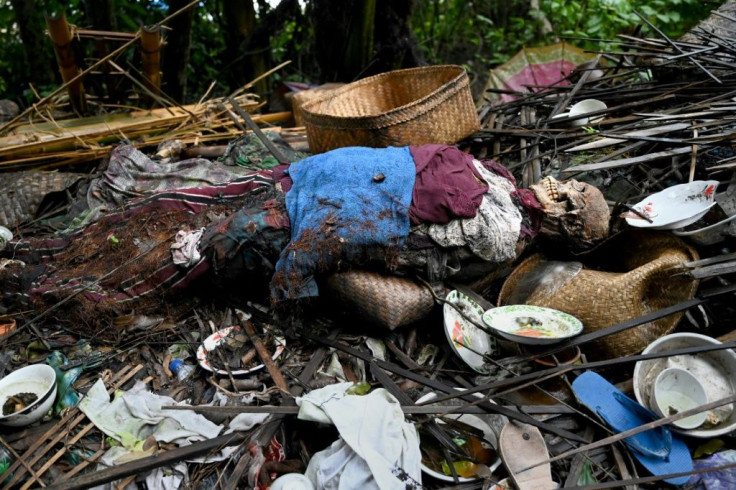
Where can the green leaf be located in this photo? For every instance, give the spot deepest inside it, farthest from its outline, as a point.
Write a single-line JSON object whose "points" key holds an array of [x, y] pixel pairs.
{"points": [[484, 19], [586, 475], [708, 448], [359, 389]]}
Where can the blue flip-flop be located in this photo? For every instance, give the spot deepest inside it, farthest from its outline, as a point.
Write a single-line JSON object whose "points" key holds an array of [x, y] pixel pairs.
{"points": [[657, 449]]}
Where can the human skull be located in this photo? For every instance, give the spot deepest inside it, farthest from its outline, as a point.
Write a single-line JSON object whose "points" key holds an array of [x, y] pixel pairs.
{"points": [[574, 212]]}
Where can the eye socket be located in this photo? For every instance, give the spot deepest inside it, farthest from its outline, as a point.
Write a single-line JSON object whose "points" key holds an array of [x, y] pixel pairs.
{"points": [[578, 186]]}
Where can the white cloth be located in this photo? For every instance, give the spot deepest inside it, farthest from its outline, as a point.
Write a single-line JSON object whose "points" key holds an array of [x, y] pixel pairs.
{"points": [[377, 448], [184, 249], [137, 413], [134, 415], [492, 234]]}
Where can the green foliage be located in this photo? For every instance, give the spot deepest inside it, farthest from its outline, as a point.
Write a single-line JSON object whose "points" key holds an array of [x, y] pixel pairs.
{"points": [[477, 34], [482, 34]]}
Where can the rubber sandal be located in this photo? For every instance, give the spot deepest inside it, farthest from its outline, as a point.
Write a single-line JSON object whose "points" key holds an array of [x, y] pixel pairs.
{"points": [[522, 446], [657, 449]]}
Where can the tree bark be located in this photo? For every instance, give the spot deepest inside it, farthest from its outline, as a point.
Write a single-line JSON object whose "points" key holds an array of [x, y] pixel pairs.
{"points": [[249, 41], [176, 51], [101, 14], [720, 23], [37, 50], [357, 38], [240, 22]]}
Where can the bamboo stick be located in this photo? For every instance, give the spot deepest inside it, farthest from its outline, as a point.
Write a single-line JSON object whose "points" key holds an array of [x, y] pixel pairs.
{"points": [[61, 36], [151, 57], [123, 47]]}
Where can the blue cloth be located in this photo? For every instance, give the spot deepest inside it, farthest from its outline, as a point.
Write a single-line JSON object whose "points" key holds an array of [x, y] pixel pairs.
{"points": [[724, 479], [342, 203]]}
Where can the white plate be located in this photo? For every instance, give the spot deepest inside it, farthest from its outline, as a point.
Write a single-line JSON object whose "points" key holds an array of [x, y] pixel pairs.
{"points": [[676, 206], [217, 338], [533, 325], [474, 421], [468, 341]]}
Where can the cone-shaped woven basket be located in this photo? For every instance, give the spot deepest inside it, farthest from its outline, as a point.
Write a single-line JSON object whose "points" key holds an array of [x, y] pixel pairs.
{"points": [[414, 106], [629, 275]]}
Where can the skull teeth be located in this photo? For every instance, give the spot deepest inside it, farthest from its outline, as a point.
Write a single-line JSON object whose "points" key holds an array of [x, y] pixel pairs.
{"points": [[550, 187]]}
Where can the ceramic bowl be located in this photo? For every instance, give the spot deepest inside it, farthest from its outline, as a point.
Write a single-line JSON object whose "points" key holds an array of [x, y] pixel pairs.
{"points": [[292, 481], [533, 325], [469, 342], [676, 390], [39, 379], [217, 338], [675, 207], [716, 371], [584, 107], [490, 425]]}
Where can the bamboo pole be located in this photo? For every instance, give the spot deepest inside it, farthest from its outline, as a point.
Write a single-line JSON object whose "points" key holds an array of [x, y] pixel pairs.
{"points": [[151, 58], [61, 36], [45, 100]]}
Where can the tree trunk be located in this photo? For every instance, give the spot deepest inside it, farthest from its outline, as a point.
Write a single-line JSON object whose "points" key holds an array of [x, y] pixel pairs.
{"points": [[101, 14], [176, 51], [240, 22], [720, 22], [357, 38], [250, 51], [395, 45], [37, 50]]}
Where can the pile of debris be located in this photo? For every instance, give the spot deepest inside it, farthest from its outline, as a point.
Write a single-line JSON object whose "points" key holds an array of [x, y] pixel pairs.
{"points": [[399, 316]]}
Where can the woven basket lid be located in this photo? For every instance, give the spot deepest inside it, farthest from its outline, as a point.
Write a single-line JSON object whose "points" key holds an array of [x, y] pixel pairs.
{"points": [[628, 276], [386, 301]]}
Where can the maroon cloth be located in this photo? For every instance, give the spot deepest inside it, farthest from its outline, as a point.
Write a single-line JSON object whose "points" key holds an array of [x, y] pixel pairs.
{"points": [[281, 177], [531, 212], [447, 186], [525, 200]]}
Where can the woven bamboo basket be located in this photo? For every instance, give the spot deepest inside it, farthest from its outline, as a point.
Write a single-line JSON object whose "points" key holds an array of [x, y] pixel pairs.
{"points": [[385, 301], [626, 277], [413, 106], [303, 97], [23, 193]]}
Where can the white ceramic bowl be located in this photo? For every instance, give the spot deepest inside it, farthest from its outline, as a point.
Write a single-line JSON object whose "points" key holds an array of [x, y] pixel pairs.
{"points": [[675, 207], [676, 390], [584, 107], [468, 341], [292, 481], [210, 343], [533, 325], [716, 371], [39, 379], [490, 425]]}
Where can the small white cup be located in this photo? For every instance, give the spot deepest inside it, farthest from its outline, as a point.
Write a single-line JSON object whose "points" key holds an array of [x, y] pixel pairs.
{"points": [[292, 481], [584, 107], [676, 390]]}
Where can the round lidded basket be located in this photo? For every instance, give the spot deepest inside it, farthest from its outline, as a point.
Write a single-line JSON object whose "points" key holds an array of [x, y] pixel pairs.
{"points": [[413, 106], [383, 300]]}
